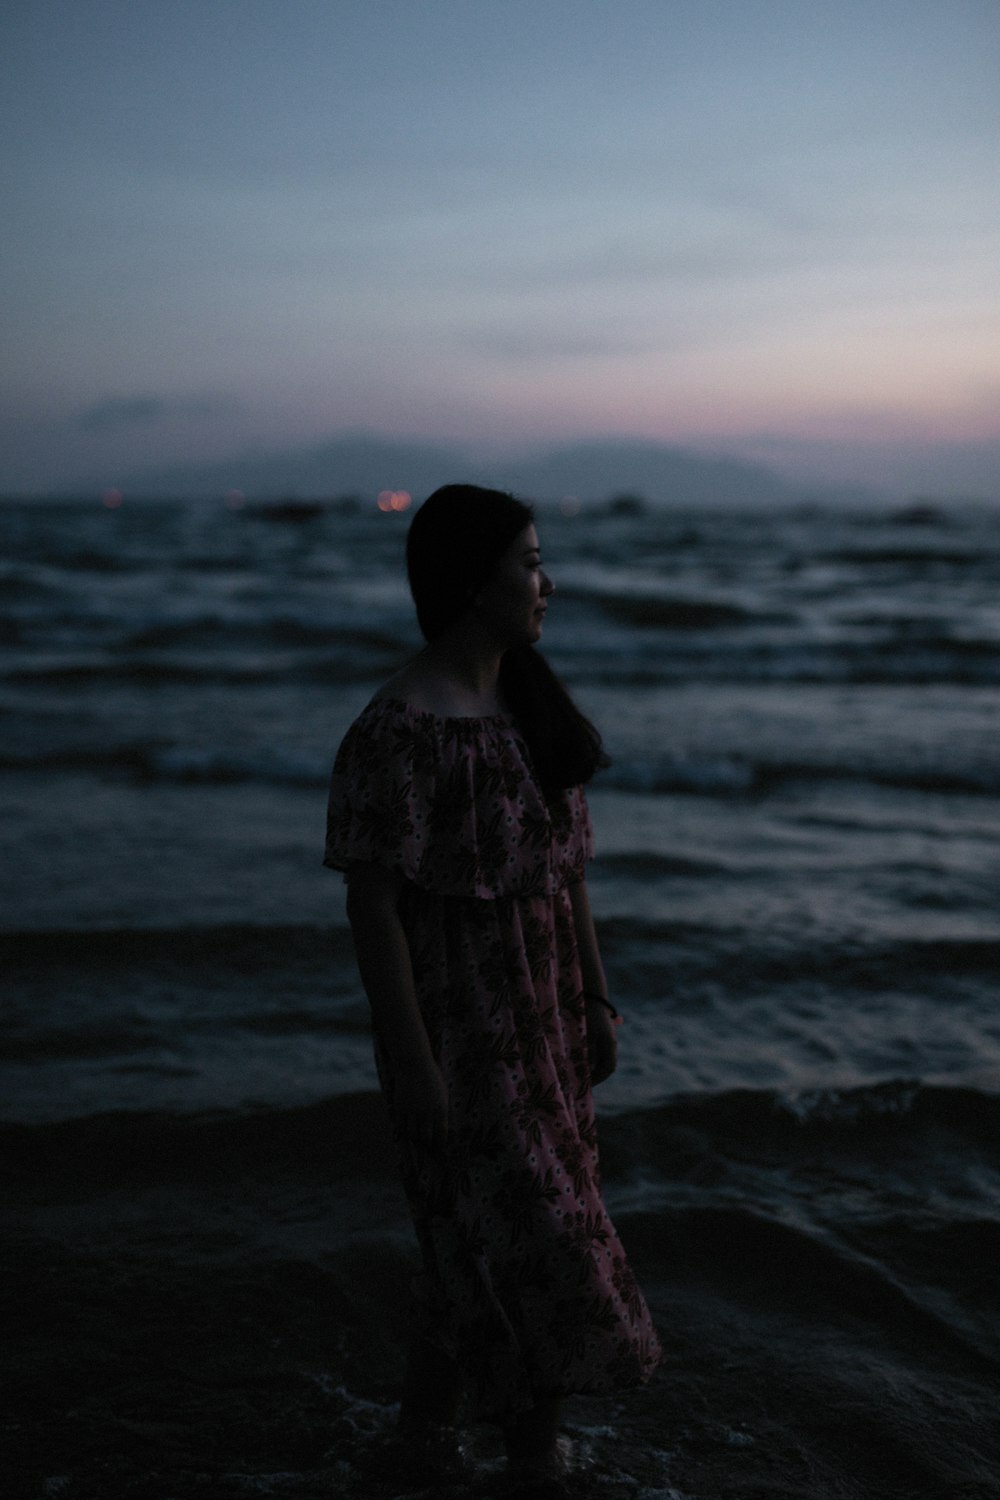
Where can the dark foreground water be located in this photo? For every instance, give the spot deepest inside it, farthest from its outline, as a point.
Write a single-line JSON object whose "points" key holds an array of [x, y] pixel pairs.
{"points": [[797, 890]]}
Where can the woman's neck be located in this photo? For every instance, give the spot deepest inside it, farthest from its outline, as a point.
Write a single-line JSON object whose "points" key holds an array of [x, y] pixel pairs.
{"points": [[459, 666], [453, 674]]}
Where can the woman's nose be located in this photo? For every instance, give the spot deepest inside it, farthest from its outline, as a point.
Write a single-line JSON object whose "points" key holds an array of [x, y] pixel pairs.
{"points": [[548, 587]]}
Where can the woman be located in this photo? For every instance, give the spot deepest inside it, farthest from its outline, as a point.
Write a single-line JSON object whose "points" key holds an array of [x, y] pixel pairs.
{"points": [[457, 812]]}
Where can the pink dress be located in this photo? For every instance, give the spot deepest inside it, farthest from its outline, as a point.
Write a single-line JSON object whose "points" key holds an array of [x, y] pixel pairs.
{"points": [[525, 1281]]}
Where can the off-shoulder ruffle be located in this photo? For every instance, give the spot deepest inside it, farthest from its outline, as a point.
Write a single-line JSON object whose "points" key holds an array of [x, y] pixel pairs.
{"points": [[452, 805]]}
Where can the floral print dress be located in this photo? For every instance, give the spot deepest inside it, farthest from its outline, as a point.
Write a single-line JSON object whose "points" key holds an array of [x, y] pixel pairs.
{"points": [[525, 1281]]}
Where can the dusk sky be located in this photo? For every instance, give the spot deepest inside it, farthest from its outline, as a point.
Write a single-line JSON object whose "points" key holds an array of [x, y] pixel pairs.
{"points": [[767, 228]]}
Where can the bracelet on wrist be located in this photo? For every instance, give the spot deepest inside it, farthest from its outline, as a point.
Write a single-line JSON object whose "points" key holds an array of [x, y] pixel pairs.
{"points": [[603, 1000]]}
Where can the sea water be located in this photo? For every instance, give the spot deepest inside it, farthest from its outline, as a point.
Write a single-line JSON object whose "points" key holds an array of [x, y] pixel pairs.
{"points": [[799, 835], [796, 884]]}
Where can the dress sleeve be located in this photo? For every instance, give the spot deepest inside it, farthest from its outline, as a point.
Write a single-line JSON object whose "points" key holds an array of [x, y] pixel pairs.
{"points": [[452, 806], [573, 836], [381, 792]]}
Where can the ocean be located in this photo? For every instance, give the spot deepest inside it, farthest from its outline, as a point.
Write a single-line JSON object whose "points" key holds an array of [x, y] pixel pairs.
{"points": [[797, 897]]}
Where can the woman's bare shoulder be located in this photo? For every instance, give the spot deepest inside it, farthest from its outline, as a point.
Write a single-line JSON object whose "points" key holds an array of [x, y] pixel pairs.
{"points": [[422, 686], [401, 686]]}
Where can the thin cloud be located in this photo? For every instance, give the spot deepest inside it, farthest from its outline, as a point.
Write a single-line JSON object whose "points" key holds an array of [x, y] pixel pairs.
{"points": [[138, 411], [534, 343]]}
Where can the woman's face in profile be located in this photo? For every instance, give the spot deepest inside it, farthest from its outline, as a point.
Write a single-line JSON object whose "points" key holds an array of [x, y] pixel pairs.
{"points": [[513, 599]]}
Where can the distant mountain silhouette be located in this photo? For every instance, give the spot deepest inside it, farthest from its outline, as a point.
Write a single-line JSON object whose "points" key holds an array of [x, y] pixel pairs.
{"points": [[602, 468], [357, 463], [364, 464]]}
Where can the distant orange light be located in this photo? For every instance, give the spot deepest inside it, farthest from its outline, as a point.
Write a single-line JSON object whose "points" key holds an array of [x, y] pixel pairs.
{"points": [[112, 499], [397, 500]]}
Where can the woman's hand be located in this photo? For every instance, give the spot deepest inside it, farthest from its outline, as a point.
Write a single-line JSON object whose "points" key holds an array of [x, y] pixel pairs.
{"points": [[602, 1041], [420, 1103]]}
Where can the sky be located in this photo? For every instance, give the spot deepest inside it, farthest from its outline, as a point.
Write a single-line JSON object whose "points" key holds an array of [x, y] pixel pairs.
{"points": [[763, 228]]}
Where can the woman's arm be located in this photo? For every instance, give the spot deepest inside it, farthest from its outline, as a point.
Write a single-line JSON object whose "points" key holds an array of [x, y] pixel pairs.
{"points": [[601, 1035], [383, 954]]}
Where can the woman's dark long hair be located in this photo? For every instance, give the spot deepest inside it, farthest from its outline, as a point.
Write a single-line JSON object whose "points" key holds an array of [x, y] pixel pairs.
{"points": [[455, 541]]}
